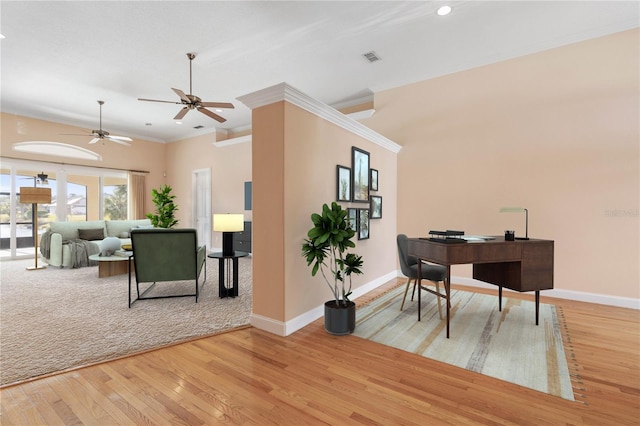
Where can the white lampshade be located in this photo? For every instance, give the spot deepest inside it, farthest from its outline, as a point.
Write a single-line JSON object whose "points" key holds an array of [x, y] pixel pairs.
{"points": [[228, 222]]}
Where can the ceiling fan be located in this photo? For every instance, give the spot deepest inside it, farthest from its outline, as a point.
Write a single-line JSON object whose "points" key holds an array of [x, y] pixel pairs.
{"points": [[100, 135], [191, 101]]}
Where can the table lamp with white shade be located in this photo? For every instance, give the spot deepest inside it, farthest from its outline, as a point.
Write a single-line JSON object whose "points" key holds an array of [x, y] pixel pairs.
{"points": [[228, 223]]}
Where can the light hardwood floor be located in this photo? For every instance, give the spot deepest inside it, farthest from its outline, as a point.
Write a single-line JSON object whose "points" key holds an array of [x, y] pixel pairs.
{"points": [[249, 376]]}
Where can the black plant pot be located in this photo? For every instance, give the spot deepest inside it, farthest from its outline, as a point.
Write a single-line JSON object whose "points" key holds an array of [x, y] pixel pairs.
{"points": [[339, 319]]}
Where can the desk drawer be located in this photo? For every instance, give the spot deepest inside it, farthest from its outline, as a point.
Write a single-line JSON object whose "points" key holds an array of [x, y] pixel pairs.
{"points": [[484, 253]]}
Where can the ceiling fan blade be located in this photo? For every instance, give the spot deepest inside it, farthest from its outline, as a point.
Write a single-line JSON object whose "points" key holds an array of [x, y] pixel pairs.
{"points": [[217, 104], [181, 114], [74, 134], [182, 95], [94, 140], [119, 139], [156, 100], [212, 115]]}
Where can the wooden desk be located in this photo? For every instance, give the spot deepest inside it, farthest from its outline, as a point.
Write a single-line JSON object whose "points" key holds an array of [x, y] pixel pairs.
{"points": [[521, 265]]}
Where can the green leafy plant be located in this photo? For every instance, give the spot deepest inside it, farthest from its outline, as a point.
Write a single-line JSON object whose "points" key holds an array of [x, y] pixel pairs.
{"points": [[327, 250], [165, 208]]}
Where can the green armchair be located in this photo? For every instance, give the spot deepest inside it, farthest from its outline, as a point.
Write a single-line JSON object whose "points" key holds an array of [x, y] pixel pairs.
{"points": [[165, 255]]}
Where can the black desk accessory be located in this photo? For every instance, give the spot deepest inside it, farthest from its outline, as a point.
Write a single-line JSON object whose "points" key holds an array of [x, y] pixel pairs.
{"points": [[447, 237]]}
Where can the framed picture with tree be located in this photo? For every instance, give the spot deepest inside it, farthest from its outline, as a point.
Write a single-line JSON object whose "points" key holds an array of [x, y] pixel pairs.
{"points": [[374, 179], [343, 183], [352, 216], [376, 207], [363, 224], [360, 175]]}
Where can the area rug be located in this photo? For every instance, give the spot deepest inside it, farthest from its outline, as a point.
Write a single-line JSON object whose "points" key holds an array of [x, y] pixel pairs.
{"points": [[55, 319], [506, 345]]}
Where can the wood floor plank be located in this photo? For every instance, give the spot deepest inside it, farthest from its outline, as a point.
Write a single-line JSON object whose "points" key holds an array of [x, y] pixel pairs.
{"points": [[250, 377]]}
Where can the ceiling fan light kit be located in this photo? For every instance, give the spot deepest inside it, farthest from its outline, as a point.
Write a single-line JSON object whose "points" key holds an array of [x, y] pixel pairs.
{"points": [[192, 101], [101, 135]]}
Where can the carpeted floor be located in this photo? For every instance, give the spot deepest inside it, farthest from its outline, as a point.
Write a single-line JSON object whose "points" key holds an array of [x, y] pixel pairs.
{"points": [[506, 345], [55, 319]]}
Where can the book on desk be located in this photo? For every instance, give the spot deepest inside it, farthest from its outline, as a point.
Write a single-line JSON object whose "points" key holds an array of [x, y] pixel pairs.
{"points": [[123, 253], [453, 237]]}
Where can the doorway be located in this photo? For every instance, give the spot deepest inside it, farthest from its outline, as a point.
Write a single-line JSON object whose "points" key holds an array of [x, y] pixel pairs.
{"points": [[201, 195]]}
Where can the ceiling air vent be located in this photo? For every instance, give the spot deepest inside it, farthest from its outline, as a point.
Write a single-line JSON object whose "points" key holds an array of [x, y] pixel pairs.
{"points": [[199, 127], [372, 56]]}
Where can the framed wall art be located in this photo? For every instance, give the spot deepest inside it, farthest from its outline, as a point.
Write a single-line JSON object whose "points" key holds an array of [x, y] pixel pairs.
{"points": [[343, 183], [363, 224], [352, 216], [376, 207], [374, 180], [360, 175]]}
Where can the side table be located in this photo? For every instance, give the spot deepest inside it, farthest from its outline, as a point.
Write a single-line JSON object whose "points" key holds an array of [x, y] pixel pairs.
{"points": [[227, 287]]}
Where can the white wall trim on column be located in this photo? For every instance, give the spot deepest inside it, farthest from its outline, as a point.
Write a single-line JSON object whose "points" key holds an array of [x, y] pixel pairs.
{"points": [[285, 92]]}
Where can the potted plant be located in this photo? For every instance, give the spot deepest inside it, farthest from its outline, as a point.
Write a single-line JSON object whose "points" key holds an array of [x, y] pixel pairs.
{"points": [[327, 250], [165, 208]]}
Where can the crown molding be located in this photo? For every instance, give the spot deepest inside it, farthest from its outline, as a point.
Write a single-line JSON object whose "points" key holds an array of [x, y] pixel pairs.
{"points": [[285, 92], [232, 141]]}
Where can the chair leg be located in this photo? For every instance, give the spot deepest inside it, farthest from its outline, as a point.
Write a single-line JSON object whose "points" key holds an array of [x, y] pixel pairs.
{"points": [[413, 292], [406, 289], [439, 305]]}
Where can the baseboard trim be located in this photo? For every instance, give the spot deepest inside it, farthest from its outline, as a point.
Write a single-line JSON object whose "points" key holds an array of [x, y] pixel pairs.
{"points": [[286, 328], [580, 296], [267, 324]]}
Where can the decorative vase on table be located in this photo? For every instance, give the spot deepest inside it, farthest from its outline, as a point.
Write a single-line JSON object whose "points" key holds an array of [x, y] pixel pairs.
{"points": [[109, 246]]}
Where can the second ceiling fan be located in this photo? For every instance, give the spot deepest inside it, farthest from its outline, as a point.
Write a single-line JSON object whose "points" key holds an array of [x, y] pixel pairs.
{"points": [[191, 101]]}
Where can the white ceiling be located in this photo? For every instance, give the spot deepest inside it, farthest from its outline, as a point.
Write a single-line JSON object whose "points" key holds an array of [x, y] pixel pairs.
{"points": [[60, 57]]}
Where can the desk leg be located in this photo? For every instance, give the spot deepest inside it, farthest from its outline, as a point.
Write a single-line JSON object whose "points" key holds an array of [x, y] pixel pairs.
{"points": [[537, 305], [447, 290], [500, 298], [419, 281]]}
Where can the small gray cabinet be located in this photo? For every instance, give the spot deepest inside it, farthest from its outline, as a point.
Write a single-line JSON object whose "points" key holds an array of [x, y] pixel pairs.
{"points": [[242, 240]]}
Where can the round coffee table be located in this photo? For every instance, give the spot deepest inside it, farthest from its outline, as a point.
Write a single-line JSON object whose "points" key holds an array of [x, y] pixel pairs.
{"points": [[109, 266]]}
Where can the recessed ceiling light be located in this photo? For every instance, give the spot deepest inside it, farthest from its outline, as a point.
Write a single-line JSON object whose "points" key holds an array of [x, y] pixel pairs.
{"points": [[444, 10], [178, 122], [1, 36], [218, 110]]}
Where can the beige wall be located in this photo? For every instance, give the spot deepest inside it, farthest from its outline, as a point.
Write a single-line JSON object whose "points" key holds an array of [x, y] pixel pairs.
{"points": [[295, 158], [268, 212], [230, 167], [141, 155], [556, 132]]}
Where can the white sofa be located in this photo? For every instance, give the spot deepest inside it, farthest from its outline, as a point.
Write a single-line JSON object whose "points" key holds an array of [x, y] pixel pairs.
{"points": [[60, 254]]}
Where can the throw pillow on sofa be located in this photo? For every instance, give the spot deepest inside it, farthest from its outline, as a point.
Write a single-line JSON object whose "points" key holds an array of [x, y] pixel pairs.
{"points": [[91, 234]]}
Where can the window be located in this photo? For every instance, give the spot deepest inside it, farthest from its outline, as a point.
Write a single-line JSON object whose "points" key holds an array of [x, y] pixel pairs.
{"points": [[78, 193]]}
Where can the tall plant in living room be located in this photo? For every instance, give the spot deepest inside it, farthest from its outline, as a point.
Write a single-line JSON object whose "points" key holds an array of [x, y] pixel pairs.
{"points": [[165, 208], [327, 249]]}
